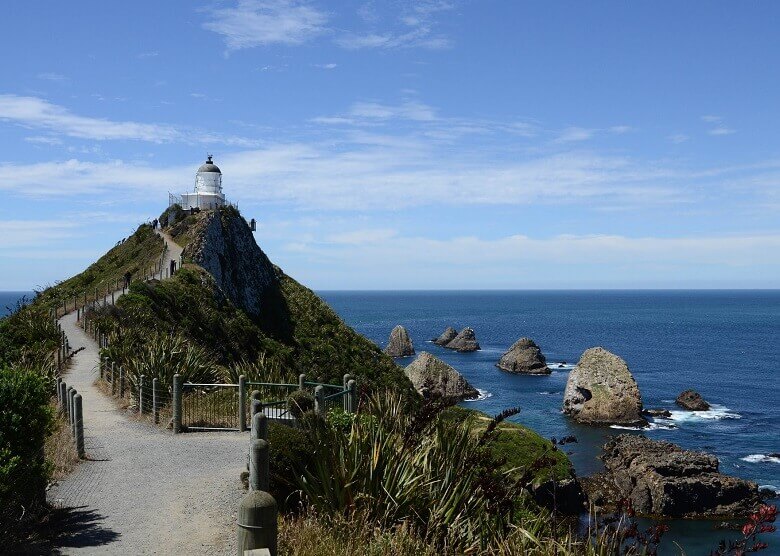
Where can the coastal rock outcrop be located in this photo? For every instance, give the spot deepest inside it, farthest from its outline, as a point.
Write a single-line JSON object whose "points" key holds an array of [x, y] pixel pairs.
{"points": [[430, 373], [602, 391], [524, 357], [399, 344], [446, 337], [660, 478], [465, 341], [692, 400]]}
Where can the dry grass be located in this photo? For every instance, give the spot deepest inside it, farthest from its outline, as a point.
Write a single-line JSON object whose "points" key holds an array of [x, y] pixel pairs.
{"points": [[60, 449]]}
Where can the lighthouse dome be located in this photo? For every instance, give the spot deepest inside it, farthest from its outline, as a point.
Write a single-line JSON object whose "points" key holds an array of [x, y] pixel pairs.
{"points": [[209, 166]]}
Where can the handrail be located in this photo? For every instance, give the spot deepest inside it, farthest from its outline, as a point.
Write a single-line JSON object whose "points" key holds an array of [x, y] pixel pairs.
{"points": [[204, 385], [342, 393], [340, 386], [249, 383]]}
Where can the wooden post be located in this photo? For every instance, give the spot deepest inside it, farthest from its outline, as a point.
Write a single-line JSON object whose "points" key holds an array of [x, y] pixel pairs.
{"points": [[259, 427], [112, 297], [59, 394], [257, 513], [301, 381], [141, 381], [113, 379], [242, 403], [352, 395], [177, 393], [345, 398], [79, 410], [121, 381], [72, 409], [155, 402], [63, 397], [319, 400]]}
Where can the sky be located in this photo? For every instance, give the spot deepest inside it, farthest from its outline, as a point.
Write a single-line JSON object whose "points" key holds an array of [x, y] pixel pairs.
{"points": [[429, 144]]}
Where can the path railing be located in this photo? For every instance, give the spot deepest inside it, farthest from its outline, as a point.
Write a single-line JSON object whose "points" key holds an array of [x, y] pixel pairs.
{"points": [[70, 403]]}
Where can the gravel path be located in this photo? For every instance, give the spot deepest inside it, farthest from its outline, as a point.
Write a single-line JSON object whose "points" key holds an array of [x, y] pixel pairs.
{"points": [[142, 489]]}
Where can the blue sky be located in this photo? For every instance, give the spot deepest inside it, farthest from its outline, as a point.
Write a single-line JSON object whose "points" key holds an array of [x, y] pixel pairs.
{"points": [[402, 145]]}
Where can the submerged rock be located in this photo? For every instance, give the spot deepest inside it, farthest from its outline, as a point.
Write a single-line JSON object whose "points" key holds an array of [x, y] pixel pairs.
{"points": [[465, 341], [692, 400], [430, 373], [657, 412], [446, 337], [660, 478], [524, 357], [399, 345], [601, 391]]}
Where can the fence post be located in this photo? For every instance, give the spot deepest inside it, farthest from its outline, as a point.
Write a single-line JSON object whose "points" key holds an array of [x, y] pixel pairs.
{"points": [[72, 406], [67, 403], [176, 404], [242, 403], [352, 396], [155, 403], [141, 381], [259, 426], [345, 398], [113, 379], [121, 381], [63, 407], [79, 425], [319, 400], [301, 381], [59, 394], [257, 513]]}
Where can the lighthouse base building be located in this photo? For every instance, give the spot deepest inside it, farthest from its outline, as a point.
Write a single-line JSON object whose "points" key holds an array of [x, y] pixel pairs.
{"points": [[207, 194]]}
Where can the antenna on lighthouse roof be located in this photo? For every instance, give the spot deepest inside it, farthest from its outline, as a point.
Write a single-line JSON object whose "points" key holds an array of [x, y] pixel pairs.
{"points": [[209, 157]]}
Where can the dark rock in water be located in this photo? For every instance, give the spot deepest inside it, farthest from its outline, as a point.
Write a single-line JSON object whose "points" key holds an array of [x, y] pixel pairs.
{"points": [[692, 400], [657, 412], [563, 496], [432, 375], [524, 357], [399, 345], [767, 493], [662, 479], [561, 365], [465, 341], [774, 455], [601, 391], [446, 337], [728, 526]]}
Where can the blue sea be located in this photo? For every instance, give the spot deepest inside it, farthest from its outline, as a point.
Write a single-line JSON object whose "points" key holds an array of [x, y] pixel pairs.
{"points": [[725, 344]]}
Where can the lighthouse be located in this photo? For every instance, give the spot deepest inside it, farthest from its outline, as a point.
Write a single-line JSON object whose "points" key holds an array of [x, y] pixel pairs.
{"points": [[207, 194]]}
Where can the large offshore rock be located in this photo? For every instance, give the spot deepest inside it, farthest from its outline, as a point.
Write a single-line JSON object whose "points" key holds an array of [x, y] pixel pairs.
{"points": [[660, 478], [524, 357], [692, 400], [399, 344], [430, 373], [602, 391], [446, 337], [465, 341]]}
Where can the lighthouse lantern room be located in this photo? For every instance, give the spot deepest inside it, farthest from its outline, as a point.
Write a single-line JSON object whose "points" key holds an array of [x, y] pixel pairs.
{"points": [[207, 194]]}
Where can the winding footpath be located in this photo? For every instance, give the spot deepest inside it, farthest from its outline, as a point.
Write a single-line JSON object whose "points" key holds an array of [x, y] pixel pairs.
{"points": [[142, 489]]}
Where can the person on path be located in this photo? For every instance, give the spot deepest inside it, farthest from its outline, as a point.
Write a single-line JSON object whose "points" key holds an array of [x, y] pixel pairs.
{"points": [[128, 277]]}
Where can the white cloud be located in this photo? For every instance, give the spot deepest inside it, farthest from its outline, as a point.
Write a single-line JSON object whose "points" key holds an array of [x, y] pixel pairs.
{"points": [[26, 233], [710, 119], [254, 23], [620, 129], [361, 237], [575, 134], [326, 66], [150, 54], [37, 113], [410, 110], [678, 138], [43, 140], [51, 76], [721, 130]]}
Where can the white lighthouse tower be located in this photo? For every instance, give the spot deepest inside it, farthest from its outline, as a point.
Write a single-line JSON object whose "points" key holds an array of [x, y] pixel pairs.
{"points": [[208, 189]]}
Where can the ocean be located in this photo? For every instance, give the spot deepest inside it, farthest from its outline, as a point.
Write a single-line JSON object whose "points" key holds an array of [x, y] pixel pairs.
{"points": [[724, 344]]}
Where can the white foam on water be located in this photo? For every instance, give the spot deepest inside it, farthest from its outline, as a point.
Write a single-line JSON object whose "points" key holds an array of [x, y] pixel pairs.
{"points": [[760, 458], [649, 427], [549, 393], [716, 412], [483, 395], [770, 487]]}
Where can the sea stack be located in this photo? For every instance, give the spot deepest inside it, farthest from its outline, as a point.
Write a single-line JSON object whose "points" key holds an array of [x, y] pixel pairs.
{"points": [[430, 373], [525, 358], [465, 341], [446, 337], [602, 391], [692, 400], [399, 344], [660, 478]]}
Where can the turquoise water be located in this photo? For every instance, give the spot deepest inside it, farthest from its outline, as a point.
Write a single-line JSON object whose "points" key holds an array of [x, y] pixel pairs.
{"points": [[725, 344]]}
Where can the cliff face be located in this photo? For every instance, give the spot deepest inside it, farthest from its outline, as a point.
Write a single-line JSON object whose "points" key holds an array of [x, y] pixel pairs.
{"points": [[222, 244]]}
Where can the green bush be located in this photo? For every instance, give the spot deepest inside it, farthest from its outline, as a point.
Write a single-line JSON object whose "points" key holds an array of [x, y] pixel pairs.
{"points": [[25, 421], [299, 403], [290, 451]]}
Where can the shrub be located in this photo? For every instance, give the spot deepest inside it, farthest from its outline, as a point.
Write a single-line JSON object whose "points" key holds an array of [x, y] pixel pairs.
{"points": [[290, 450], [25, 420], [299, 403]]}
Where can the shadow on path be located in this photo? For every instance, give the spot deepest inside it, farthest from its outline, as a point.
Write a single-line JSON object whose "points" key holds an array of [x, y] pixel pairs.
{"points": [[73, 528]]}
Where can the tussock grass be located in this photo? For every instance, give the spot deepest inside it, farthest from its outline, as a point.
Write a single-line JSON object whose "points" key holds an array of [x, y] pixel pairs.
{"points": [[59, 447]]}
